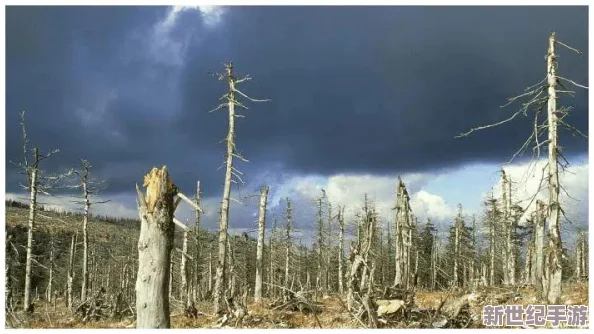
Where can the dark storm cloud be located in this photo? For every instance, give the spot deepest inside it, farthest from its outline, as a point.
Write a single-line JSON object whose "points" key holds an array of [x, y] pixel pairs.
{"points": [[353, 89], [382, 89]]}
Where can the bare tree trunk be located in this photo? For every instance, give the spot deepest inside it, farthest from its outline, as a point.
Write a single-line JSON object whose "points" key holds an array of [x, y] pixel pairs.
{"points": [[210, 271], [197, 277], [154, 250], [456, 252], [434, 263], [399, 242], [271, 287], [224, 222], [49, 290], [260, 246], [492, 248], [555, 249], [510, 223], [184, 270], [288, 242], [578, 261], [340, 250], [31, 225], [71, 271], [85, 268], [320, 243], [584, 256], [328, 246], [7, 275], [473, 259], [506, 230], [528, 265]]}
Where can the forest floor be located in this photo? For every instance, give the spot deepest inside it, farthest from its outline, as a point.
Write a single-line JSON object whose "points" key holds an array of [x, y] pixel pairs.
{"points": [[332, 315]]}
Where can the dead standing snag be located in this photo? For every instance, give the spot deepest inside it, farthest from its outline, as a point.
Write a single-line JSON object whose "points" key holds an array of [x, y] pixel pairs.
{"points": [[154, 249]]}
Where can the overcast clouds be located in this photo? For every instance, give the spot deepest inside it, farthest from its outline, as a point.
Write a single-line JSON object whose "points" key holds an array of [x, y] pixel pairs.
{"points": [[359, 95]]}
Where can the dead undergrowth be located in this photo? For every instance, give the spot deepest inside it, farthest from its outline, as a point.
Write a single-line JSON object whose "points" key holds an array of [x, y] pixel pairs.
{"points": [[332, 314]]}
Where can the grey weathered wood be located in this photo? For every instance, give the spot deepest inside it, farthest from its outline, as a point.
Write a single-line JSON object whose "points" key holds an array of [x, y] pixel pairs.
{"points": [[260, 245], [341, 250], [288, 242], [195, 205], [224, 221], [70, 279], [184, 270], [154, 250], [33, 183], [87, 204], [554, 249]]}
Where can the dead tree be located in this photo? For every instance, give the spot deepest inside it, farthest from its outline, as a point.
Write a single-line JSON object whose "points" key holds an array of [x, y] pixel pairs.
{"points": [[197, 277], [89, 187], [402, 236], [361, 271], [288, 228], [50, 280], [341, 250], [508, 224], [539, 234], [260, 246], [581, 272], [183, 268], [231, 102], [36, 183], [70, 279], [546, 93], [320, 242], [457, 231], [7, 275], [271, 271], [154, 249]]}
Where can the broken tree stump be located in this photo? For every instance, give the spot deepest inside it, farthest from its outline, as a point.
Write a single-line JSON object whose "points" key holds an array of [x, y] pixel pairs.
{"points": [[154, 249]]}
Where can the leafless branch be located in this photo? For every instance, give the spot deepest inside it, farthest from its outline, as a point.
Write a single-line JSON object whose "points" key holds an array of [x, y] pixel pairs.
{"points": [[572, 82], [465, 134], [569, 47]]}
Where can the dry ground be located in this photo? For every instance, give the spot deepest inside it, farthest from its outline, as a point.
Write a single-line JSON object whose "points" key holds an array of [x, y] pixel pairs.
{"points": [[333, 315]]}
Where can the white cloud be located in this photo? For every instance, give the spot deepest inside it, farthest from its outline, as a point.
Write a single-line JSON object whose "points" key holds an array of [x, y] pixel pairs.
{"points": [[169, 49], [425, 204], [212, 15], [526, 180]]}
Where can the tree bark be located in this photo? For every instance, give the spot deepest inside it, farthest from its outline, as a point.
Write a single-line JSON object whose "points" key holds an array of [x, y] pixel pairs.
{"points": [[154, 250], [554, 251], [85, 268], [341, 250], [224, 222], [260, 246], [49, 291], [288, 242], [197, 277], [492, 246], [399, 240], [184, 270], [33, 183], [71, 271]]}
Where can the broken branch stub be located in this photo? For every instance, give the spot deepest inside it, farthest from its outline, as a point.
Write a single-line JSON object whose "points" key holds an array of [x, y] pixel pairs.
{"points": [[154, 248]]}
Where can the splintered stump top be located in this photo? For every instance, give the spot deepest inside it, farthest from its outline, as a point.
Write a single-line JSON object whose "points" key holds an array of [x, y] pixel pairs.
{"points": [[154, 249]]}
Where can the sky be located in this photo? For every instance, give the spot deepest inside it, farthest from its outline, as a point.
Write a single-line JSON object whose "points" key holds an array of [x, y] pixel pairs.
{"points": [[359, 96]]}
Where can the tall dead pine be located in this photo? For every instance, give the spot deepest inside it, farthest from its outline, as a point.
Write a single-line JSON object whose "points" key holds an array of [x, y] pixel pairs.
{"points": [[35, 184], [154, 250], [260, 246], [231, 101], [546, 93]]}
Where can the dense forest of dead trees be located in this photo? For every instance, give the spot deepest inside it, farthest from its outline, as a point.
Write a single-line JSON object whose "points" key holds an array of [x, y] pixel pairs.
{"points": [[367, 261]]}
